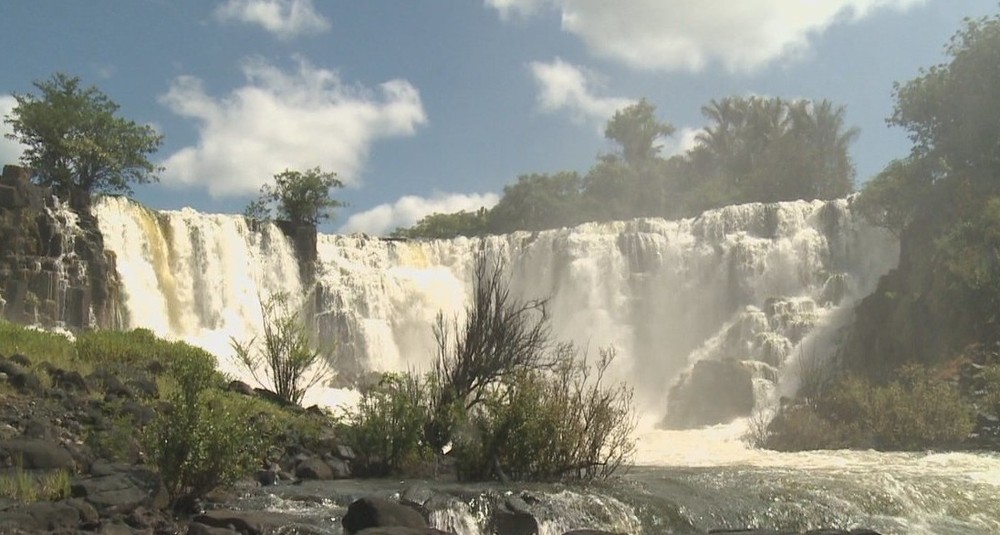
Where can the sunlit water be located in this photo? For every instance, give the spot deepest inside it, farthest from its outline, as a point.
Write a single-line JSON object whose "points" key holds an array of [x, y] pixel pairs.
{"points": [[765, 284]]}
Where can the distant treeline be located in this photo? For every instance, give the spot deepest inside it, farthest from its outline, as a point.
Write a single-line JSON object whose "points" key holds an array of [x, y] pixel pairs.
{"points": [[754, 149]]}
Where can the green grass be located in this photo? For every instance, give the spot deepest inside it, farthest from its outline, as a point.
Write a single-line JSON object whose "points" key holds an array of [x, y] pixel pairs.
{"points": [[36, 345], [27, 487]]}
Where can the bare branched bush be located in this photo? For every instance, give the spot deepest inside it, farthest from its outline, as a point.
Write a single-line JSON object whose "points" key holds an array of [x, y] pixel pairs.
{"points": [[284, 359], [501, 336]]}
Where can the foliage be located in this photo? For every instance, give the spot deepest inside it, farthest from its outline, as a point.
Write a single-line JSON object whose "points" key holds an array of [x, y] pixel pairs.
{"points": [[28, 487], [890, 199], [74, 141], [500, 336], [386, 427], [140, 348], [537, 202], [208, 438], [753, 150], [302, 197], [439, 226], [636, 130], [549, 425], [35, 343], [952, 110], [285, 355], [770, 149], [917, 410]]}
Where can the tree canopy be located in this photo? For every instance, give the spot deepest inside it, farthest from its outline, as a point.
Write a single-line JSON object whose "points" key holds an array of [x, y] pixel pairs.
{"points": [[753, 150], [75, 141], [301, 197]]}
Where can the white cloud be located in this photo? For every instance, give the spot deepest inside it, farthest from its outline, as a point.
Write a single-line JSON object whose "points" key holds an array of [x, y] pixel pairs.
{"points": [[742, 35], [563, 86], [385, 218], [10, 150], [283, 18], [508, 8], [280, 120]]}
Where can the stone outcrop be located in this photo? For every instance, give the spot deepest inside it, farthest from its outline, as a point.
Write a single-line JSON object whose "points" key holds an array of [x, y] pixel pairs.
{"points": [[713, 392], [53, 266]]}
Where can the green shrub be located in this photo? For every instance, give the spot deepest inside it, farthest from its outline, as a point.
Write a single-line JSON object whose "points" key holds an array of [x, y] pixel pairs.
{"points": [[916, 411], [386, 428], [208, 438], [549, 425]]}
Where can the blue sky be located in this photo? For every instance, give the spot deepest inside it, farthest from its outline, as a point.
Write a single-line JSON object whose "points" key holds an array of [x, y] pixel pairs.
{"points": [[434, 105]]}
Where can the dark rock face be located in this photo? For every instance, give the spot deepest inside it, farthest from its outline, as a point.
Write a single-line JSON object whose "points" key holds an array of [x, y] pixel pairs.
{"points": [[713, 392], [37, 454], [372, 512], [303, 238], [50, 272]]}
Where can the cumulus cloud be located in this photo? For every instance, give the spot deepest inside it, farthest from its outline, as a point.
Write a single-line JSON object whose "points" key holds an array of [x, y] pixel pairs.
{"points": [[385, 218], [283, 18], [676, 35], [563, 86], [10, 150], [278, 120], [683, 140]]}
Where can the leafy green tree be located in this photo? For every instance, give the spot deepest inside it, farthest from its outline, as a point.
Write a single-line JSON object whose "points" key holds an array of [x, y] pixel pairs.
{"points": [[952, 110], [769, 149], [75, 142], [446, 226], [537, 202], [636, 130], [301, 197]]}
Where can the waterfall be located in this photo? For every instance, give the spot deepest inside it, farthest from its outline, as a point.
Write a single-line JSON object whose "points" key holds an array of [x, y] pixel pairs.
{"points": [[196, 277], [751, 282]]}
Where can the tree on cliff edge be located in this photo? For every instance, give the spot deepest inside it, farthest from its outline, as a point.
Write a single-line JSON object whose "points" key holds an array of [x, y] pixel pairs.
{"points": [[302, 197], [74, 141]]}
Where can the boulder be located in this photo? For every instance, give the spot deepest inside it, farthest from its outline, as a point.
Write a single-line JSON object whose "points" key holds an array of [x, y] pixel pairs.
{"points": [[246, 522], [713, 392], [39, 517], [120, 489], [314, 468], [37, 454], [374, 512]]}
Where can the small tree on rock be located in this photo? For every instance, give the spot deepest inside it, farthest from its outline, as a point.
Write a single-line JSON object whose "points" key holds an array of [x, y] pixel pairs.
{"points": [[74, 141], [301, 197]]}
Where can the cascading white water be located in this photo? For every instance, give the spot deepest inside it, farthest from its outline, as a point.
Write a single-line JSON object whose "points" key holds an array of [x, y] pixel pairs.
{"points": [[763, 284], [663, 293], [745, 282], [196, 277]]}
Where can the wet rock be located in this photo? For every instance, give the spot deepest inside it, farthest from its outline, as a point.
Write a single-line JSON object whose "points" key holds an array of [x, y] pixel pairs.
{"points": [[339, 468], [591, 532], [373, 512], [246, 522], [398, 530], [713, 392], [197, 528], [314, 468]]}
